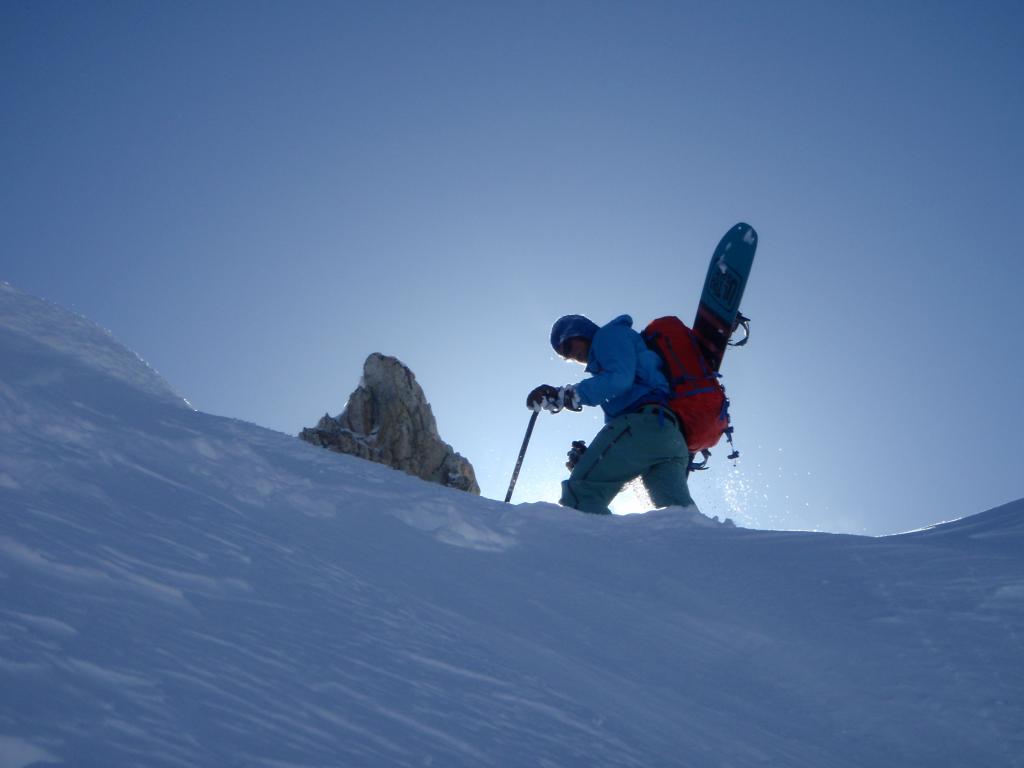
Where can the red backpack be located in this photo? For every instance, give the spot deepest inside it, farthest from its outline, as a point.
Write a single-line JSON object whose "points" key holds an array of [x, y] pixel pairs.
{"points": [[698, 399]]}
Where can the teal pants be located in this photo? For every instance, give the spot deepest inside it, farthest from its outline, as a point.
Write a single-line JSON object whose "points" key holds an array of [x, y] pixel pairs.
{"points": [[645, 445]]}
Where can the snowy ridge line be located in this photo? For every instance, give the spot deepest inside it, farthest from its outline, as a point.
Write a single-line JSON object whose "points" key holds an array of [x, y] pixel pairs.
{"points": [[74, 336], [180, 589]]}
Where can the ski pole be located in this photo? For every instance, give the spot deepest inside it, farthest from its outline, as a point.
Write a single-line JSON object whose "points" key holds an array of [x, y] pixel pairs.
{"points": [[522, 453]]}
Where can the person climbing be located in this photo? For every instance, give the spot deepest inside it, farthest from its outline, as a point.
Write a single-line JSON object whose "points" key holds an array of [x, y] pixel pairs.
{"points": [[641, 436]]}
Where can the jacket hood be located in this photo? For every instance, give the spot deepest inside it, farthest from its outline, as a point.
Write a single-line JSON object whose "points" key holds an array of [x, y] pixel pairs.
{"points": [[625, 320]]}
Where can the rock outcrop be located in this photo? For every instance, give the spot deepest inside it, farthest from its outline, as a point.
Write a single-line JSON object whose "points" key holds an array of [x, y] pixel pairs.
{"points": [[388, 420]]}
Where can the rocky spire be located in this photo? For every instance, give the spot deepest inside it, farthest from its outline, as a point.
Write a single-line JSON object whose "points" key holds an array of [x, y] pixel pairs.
{"points": [[388, 420]]}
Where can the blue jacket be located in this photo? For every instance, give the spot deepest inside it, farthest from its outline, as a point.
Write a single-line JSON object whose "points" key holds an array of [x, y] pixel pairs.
{"points": [[625, 374]]}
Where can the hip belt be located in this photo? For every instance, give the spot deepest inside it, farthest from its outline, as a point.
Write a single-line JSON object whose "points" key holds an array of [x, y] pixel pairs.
{"points": [[660, 410]]}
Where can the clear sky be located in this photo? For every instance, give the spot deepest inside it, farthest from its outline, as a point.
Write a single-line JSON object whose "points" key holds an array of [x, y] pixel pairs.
{"points": [[254, 196]]}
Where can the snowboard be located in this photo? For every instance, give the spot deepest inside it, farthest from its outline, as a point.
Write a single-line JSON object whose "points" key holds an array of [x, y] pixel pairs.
{"points": [[718, 313]]}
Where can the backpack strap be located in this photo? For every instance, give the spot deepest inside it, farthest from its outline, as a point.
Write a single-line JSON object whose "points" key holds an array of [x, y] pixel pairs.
{"points": [[696, 466], [728, 430], [728, 436]]}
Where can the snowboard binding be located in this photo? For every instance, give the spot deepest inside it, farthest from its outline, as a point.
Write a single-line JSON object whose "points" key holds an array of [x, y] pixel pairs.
{"points": [[742, 321]]}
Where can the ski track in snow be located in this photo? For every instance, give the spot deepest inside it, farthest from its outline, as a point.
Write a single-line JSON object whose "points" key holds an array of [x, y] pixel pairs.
{"points": [[179, 589]]}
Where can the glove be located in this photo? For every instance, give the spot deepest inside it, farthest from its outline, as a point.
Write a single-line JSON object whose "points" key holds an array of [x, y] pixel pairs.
{"points": [[548, 398], [544, 397], [575, 453]]}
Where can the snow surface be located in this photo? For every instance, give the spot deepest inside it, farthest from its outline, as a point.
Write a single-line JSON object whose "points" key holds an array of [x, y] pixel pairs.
{"points": [[180, 589]]}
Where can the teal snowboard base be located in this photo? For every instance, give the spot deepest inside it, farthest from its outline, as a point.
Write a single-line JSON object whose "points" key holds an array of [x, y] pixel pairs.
{"points": [[718, 311]]}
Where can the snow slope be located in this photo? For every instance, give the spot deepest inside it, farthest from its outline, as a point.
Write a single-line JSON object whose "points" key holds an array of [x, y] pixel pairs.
{"points": [[180, 589]]}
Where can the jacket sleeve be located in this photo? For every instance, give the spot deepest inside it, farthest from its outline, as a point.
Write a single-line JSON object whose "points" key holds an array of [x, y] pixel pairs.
{"points": [[613, 354]]}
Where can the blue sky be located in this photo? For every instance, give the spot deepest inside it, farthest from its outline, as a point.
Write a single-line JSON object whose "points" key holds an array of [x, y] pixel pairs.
{"points": [[255, 196]]}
